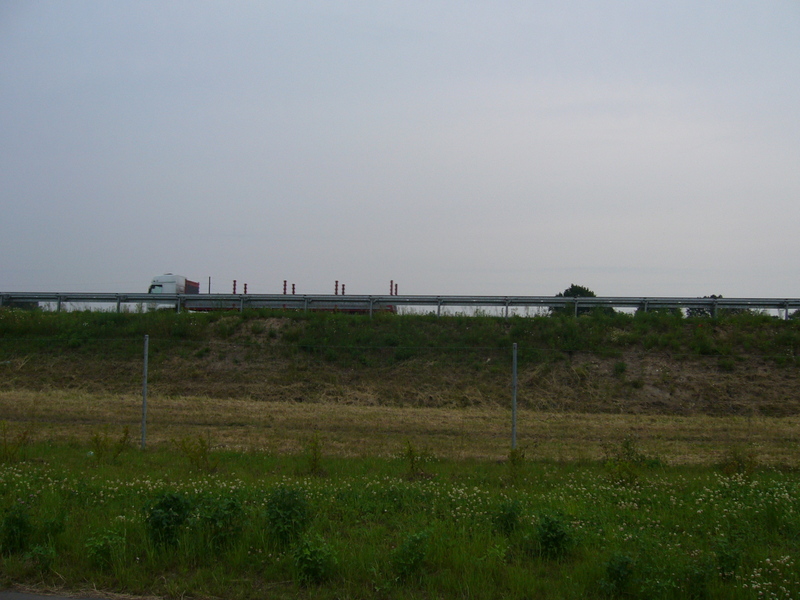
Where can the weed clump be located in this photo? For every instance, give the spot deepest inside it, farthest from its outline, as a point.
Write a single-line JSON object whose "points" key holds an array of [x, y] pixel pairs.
{"points": [[104, 549], [165, 517], [620, 368], [104, 449], [516, 463], [409, 557], [619, 575], [222, 520], [314, 561], [414, 459], [42, 556], [16, 530], [197, 450], [553, 535], [738, 460], [12, 446], [507, 518], [314, 455], [728, 557], [623, 462], [288, 514]]}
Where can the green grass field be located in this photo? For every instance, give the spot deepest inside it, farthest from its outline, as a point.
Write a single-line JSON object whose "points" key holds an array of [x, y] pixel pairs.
{"points": [[188, 521]]}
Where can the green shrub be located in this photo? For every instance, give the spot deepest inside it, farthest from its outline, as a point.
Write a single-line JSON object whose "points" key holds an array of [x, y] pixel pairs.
{"points": [[409, 557], [15, 530], [506, 519], [288, 514], [553, 535], [619, 574], [103, 549], [42, 557], [728, 557], [222, 520], [165, 517], [313, 561]]}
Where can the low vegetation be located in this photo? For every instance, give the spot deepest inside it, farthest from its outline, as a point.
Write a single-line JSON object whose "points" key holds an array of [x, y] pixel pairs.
{"points": [[262, 525]]}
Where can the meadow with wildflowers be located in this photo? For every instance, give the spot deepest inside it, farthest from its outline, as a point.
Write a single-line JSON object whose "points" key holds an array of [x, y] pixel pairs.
{"points": [[254, 525]]}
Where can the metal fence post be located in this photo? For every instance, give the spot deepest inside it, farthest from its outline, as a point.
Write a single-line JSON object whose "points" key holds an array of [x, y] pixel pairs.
{"points": [[144, 393], [514, 397]]}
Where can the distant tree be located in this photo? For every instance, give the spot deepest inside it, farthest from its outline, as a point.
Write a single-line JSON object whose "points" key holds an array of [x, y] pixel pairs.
{"points": [[578, 291]]}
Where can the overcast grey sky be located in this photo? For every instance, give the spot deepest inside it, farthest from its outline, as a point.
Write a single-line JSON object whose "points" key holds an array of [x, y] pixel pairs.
{"points": [[509, 147]]}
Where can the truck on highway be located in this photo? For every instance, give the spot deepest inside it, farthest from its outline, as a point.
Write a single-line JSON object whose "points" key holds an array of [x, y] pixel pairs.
{"points": [[173, 284]]}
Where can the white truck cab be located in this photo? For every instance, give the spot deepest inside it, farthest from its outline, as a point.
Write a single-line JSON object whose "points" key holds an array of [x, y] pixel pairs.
{"points": [[173, 284]]}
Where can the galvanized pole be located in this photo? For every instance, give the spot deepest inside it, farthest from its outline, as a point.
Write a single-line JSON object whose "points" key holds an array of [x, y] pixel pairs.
{"points": [[514, 397], [144, 392]]}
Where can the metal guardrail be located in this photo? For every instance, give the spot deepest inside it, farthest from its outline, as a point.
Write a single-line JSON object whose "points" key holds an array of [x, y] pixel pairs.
{"points": [[370, 304]]}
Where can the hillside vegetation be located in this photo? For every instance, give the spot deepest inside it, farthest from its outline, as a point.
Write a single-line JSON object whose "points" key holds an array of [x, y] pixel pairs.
{"points": [[656, 363]]}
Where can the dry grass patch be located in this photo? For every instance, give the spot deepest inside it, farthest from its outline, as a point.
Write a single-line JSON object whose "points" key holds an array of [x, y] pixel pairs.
{"points": [[480, 432]]}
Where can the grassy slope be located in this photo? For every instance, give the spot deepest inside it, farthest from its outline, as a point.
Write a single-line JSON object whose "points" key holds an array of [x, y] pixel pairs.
{"points": [[643, 364]]}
